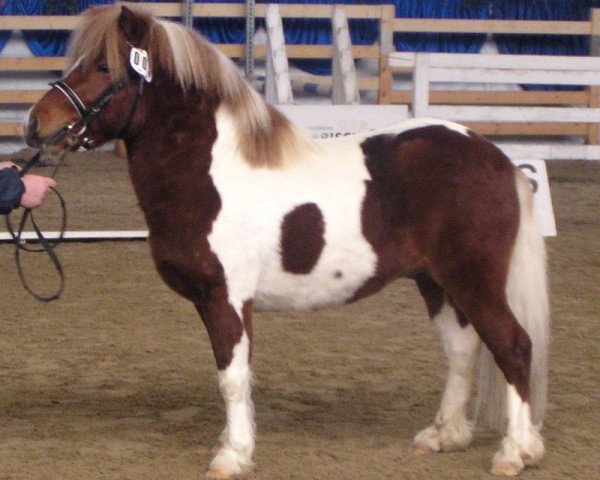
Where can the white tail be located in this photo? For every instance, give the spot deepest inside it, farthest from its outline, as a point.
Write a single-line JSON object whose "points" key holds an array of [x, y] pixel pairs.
{"points": [[527, 294]]}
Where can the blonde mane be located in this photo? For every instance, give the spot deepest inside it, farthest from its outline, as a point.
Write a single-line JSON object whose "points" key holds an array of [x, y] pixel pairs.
{"points": [[265, 136]]}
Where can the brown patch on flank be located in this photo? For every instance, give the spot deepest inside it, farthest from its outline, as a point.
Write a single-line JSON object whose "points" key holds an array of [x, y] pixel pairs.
{"points": [[302, 238]]}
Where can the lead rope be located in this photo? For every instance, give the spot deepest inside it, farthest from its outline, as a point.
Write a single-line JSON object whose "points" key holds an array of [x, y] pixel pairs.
{"points": [[47, 245], [139, 64]]}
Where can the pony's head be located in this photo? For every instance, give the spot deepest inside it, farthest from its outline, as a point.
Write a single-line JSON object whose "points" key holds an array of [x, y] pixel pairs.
{"points": [[97, 100]]}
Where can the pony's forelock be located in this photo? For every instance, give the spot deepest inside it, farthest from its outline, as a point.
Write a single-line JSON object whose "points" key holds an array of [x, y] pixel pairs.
{"points": [[97, 37]]}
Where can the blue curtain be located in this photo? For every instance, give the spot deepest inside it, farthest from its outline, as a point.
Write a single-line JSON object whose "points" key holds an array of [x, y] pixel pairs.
{"points": [[541, 10], [221, 30], [41, 43], [440, 42], [5, 9], [542, 44], [54, 43], [318, 31]]}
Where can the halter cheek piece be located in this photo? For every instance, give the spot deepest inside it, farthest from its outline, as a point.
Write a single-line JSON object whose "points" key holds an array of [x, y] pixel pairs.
{"points": [[87, 113]]}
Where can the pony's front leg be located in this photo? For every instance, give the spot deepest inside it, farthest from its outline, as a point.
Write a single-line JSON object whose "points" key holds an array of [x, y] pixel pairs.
{"points": [[230, 332]]}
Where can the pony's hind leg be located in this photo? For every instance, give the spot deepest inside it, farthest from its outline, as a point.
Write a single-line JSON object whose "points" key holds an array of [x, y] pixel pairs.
{"points": [[231, 336], [451, 430], [511, 347]]}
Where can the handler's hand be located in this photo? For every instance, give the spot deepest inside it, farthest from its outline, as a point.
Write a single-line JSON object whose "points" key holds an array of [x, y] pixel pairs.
{"points": [[36, 190], [8, 165]]}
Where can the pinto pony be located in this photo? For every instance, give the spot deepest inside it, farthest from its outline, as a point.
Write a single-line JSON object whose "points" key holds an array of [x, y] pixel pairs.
{"points": [[247, 212]]}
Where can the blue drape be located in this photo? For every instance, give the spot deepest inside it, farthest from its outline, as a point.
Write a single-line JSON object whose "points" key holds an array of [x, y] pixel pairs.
{"points": [[216, 30], [221, 30], [5, 9], [42, 44], [54, 43], [47, 43], [300, 31], [362, 32], [541, 10], [542, 44], [440, 42]]}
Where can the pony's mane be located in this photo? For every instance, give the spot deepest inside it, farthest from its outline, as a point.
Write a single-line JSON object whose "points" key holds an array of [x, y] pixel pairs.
{"points": [[265, 136]]}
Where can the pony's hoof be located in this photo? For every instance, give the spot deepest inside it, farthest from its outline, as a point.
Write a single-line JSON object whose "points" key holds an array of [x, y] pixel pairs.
{"points": [[419, 450], [505, 469], [217, 473]]}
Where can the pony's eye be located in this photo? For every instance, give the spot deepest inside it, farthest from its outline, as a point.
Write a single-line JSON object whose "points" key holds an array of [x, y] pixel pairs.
{"points": [[103, 68]]}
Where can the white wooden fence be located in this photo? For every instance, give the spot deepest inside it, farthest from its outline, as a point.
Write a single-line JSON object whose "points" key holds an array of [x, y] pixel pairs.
{"points": [[429, 68], [278, 87]]}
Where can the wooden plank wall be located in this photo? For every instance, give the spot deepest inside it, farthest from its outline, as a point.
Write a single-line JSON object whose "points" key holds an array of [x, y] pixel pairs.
{"points": [[382, 82], [588, 97], [213, 10]]}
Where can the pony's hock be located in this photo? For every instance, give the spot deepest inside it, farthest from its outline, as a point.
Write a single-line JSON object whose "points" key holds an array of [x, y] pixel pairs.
{"points": [[246, 212]]}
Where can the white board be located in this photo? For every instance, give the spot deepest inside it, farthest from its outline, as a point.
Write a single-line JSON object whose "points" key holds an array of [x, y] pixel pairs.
{"points": [[542, 201], [341, 120]]}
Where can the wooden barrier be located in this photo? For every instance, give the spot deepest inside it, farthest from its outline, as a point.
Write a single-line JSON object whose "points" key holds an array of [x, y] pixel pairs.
{"points": [[278, 83], [381, 82], [588, 97], [212, 10], [430, 68]]}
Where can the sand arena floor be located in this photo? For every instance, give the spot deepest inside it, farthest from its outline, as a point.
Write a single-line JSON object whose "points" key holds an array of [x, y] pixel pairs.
{"points": [[117, 380]]}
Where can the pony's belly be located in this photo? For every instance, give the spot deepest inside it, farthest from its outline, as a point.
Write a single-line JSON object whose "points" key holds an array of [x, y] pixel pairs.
{"points": [[334, 280]]}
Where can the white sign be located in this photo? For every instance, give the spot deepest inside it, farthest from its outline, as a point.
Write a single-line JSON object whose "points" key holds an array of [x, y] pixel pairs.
{"points": [[542, 201], [330, 121], [138, 59]]}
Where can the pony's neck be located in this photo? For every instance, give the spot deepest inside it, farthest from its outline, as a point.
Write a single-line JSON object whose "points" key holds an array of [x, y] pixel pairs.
{"points": [[170, 154]]}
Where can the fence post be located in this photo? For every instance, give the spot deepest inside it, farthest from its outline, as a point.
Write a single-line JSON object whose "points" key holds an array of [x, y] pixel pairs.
{"points": [[278, 86], [386, 46], [593, 135], [345, 91], [420, 100]]}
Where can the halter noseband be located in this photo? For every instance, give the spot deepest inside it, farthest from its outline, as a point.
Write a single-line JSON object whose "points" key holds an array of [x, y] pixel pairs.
{"points": [[87, 113]]}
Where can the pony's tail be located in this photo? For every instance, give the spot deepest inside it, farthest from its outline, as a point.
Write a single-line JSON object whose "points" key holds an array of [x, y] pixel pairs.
{"points": [[527, 294]]}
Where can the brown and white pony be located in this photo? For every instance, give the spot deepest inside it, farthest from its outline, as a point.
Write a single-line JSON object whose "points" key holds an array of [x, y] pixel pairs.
{"points": [[246, 212]]}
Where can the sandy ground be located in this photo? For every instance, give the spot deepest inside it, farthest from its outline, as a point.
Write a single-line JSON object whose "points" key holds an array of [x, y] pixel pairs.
{"points": [[116, 380]]}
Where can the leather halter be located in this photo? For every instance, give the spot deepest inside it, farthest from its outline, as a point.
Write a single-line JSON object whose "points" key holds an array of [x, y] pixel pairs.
{"points": [[87, 113]]}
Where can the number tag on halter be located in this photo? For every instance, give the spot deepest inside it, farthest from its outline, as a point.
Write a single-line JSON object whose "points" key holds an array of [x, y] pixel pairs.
{"points": [[138, 59]]}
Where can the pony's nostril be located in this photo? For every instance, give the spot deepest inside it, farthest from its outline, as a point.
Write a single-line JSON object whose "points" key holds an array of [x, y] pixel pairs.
{"points": [[31, 133], [32, 126]]}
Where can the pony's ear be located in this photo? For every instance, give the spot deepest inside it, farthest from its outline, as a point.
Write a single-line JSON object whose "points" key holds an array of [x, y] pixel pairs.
{"points": [[133, 26]]}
